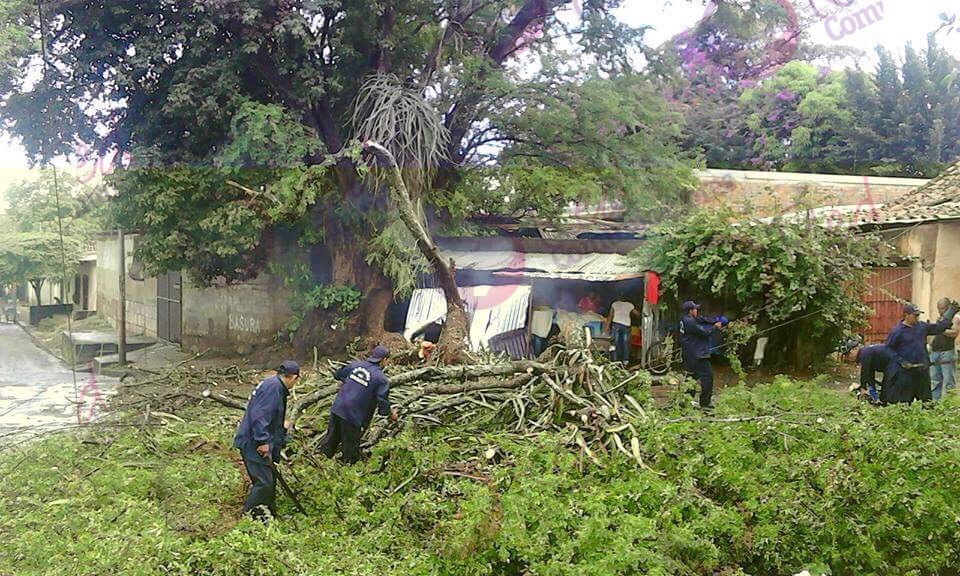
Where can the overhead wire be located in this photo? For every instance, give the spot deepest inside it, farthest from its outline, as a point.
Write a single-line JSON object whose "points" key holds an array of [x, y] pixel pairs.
{"points": [[56, 194]]}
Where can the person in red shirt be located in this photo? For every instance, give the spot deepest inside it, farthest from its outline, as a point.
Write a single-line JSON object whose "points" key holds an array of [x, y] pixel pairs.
{"points": [[589, 303]]}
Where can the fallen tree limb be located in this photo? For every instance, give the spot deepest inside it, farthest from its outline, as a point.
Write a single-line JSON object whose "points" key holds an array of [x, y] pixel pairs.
{"points": [[310, 399], [168, 374], [477, 386], [472, 371], [230, 403]]}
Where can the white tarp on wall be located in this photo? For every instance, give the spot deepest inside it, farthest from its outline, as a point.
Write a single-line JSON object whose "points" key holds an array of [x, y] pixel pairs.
{"points": [[492, 310]]}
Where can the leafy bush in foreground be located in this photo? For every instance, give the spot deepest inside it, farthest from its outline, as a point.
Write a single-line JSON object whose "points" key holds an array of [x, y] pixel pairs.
{"points": [[784, 477]]}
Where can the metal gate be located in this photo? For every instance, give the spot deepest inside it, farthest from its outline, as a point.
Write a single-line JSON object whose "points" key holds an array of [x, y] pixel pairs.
{"points": [[890, 288], [168, 306]]}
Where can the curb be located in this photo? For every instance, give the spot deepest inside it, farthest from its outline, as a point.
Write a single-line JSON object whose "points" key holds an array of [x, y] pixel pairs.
{"points": [[39, 343]]}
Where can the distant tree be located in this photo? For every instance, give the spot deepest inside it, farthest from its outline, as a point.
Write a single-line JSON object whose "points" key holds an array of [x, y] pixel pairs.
{"points": [[34, 257], [32, 205]]}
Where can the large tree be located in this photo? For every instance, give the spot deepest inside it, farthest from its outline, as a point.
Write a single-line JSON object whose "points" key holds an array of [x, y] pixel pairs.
{"points": [[239, 114]]}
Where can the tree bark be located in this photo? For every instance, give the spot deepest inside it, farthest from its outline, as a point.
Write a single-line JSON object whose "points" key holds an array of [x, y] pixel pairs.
{"points": [[37, 285], [452, 346]]}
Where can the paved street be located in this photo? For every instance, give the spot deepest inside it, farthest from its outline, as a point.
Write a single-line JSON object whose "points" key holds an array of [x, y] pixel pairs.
{"points": [[37, 392]]}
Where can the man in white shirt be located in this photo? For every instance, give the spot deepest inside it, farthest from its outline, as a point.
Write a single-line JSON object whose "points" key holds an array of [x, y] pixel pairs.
{"points": [[619, 318]]}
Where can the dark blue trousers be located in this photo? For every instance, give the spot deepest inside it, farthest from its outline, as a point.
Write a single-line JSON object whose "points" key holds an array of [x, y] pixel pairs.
{"points": [[263, 489], [621, 342], [344, 437], [701, 370]]}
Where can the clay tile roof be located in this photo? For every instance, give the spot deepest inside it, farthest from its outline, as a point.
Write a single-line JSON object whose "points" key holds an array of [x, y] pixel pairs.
{"points": [[938, 199]]}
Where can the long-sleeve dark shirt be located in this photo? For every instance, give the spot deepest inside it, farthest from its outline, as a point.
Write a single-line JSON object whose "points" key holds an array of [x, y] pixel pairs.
{"points": [[695, 338], [877, 358], [362, 384], [263, 419], [910, 342]]}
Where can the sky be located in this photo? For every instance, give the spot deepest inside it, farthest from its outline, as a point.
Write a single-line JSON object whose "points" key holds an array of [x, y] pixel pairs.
{"points": [[902, 21]]}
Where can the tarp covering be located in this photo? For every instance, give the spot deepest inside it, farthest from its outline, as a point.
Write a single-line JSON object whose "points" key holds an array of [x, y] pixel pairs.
{"points": [[593, 266], [492, 310]]}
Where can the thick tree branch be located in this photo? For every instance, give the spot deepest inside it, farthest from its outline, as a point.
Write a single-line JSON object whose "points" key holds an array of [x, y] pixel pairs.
{"points": [[463, 113]]}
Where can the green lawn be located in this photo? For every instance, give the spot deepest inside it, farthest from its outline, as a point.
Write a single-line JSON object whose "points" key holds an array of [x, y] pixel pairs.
{"points": [[784, 477]]}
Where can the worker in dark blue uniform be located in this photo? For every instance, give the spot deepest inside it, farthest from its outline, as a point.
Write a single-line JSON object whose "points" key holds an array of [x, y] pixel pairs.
{"points": [[695, 335], [873, 359], [363, 388], [909, 340], [260, 436]]}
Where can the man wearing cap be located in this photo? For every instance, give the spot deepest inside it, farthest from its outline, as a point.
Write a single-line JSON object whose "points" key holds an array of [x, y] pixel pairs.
{"points": [[873, 359], [909, 340], [261, 434], [695, 349], [363, 387]]}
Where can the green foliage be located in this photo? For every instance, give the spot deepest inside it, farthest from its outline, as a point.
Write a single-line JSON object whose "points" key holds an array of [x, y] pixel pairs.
{"points": [[30, 249], [36, 256], [306, 295], [193, 218], [267, 135], [735, 337], [591, 141], [395, 252], [900, 119], [268, 93], [788, 476], [84, 210], [800, 282]]}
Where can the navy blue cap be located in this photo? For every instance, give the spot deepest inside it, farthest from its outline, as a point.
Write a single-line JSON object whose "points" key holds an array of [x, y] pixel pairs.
{"points": [[849, 345], [689, 305], [911, 308], [289, 367], [378, 354]]}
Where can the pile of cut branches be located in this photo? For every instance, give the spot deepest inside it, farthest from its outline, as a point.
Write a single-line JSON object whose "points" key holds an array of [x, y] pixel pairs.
{"points": [[593, 402]]}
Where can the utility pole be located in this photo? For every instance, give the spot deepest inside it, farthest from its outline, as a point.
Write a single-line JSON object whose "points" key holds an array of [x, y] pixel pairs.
{"points": [[122, 345]]}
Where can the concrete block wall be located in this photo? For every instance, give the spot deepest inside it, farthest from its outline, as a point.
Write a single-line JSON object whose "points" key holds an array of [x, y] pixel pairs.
{"points": [[233, 319], [773, 193], [141, 294]]}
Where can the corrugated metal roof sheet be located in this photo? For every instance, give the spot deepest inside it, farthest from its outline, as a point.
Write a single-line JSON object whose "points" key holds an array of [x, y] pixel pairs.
{"points": [[591, 266], [492, 310]]}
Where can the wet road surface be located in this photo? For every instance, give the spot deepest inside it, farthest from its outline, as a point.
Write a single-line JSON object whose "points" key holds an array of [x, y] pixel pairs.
{"points": [[37, 392]]}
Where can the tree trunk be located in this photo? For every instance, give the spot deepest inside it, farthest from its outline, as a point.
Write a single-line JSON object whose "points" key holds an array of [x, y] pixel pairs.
{"points": [[453, 338], [325, 329], [37, 285]]}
